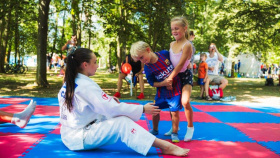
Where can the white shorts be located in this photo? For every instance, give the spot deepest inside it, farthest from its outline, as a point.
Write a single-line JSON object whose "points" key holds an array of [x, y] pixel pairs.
{"points": [[215, 78]]}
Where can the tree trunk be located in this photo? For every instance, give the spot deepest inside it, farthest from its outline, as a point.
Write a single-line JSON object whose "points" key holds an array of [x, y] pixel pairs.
{"points": [[2, 54], [232, 70], [16, 32], [76, 22], [110, 53], [41, 77]]}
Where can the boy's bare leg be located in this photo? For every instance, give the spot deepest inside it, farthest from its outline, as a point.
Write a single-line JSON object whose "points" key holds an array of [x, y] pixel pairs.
{"points": [[206, 87], [175, 121], [120, 78], [156, 119], [168, 148], [201, 90], [141, 83]]}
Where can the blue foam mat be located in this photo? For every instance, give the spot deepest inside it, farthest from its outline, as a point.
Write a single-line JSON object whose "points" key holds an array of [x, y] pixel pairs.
{"points": [[245, 117], [52, 145], [267, 109], [273, 146], [37, 124], [205, 131], [4, 105]]}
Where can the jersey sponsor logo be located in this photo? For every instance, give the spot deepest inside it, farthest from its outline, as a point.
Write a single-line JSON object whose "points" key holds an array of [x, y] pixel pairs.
{"points": [[164, 74], [133, 131], [104, 96]]}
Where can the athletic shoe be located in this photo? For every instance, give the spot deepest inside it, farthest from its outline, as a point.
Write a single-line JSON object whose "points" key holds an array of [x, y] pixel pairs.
{"points": [[174, 138], [154, 132], [170, 132], [141, 96], [226, 99], [233, 98], [117, 94]]}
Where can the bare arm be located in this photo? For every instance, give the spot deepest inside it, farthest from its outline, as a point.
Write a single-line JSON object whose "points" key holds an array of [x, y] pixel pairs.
{"points": [[220, 57], [65, 46]]}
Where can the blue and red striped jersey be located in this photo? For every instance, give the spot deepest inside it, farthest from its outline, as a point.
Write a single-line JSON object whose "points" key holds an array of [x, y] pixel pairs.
{"points": [[159, 71]]}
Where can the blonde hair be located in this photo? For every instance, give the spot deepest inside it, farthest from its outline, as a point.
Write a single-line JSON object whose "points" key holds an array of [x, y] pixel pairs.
{"points": [[184, 22], [138, 47], [203, 54]]}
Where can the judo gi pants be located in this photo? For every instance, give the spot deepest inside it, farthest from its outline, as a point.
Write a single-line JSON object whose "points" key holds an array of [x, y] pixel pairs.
{"points": [[109, 131]]}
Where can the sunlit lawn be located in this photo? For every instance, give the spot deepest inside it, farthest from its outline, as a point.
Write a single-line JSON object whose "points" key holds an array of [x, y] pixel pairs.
{"points": [[245, 89]]}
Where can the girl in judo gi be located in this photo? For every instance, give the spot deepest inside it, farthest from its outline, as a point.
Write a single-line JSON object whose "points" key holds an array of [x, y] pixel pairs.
{"points": [[90, 118]]}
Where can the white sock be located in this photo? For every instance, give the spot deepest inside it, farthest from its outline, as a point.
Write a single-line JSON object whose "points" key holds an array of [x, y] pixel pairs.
{"points": [[189, 134], [22, 118]]}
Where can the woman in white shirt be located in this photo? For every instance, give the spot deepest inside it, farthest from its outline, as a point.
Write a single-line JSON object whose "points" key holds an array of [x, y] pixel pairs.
{"points": [[212, 61], [90, 118]]}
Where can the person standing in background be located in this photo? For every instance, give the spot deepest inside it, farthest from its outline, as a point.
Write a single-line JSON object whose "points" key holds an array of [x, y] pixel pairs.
{"points": [[238, 66], [71, 45]]}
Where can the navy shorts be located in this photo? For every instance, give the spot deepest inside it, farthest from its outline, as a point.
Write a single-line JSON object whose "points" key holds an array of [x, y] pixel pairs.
{"points": [[186, 77], [200, 81], [174, 103]]}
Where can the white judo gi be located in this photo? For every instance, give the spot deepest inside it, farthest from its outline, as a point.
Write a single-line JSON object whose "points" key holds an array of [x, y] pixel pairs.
{"points": [[112, 120]]}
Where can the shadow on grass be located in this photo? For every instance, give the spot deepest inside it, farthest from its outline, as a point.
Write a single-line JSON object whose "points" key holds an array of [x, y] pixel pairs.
{"points": [[245, 89]]}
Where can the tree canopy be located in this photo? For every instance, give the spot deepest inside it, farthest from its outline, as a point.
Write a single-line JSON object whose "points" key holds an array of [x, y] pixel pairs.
{"points": [[109, 27]]}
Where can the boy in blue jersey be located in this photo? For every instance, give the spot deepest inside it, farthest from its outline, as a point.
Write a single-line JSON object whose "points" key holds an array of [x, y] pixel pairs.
{"points": [[157, 68]]}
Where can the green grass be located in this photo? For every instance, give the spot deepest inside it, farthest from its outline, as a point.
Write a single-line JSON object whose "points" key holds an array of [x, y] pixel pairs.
{"points": [[245, 89]]}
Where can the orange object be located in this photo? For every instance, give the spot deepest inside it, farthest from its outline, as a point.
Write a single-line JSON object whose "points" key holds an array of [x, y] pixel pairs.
{"points": [[126, 68], [194, 65]]}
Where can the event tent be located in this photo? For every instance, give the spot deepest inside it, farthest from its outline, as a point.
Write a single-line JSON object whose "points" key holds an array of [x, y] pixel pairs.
{"points": [[250, 65]]}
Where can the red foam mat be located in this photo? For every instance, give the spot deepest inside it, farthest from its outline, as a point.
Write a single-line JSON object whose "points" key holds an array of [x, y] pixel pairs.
{"points": [[13, 145], [275, 114], [12, 100], [259, 131], [197, 117], [219, 149], [40, 109], [224, 108]]}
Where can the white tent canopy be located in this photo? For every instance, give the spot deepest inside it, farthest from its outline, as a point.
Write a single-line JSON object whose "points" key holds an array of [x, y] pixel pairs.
{"points": [[250, 66]]}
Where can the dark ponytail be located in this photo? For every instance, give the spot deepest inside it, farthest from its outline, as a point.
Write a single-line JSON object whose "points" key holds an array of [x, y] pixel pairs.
{"points": [[74, 61]]}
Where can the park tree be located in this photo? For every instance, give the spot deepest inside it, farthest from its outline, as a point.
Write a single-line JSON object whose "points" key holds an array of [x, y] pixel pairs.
{"points": [[41, 78], [109, 27]]}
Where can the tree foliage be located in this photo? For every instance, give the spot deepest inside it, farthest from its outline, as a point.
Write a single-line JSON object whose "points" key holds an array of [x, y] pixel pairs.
{"points": [[109, 27]]}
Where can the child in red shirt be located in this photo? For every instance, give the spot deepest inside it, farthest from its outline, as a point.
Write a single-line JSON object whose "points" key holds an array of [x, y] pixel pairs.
{"points": [[202, 76]]}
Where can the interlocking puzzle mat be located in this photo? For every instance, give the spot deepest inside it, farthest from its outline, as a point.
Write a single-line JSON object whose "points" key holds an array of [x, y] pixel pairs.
{"points": [[221, 130]]}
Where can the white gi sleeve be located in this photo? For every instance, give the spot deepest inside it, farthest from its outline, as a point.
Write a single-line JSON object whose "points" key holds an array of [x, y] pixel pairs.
{"points": [[104, 104]]}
